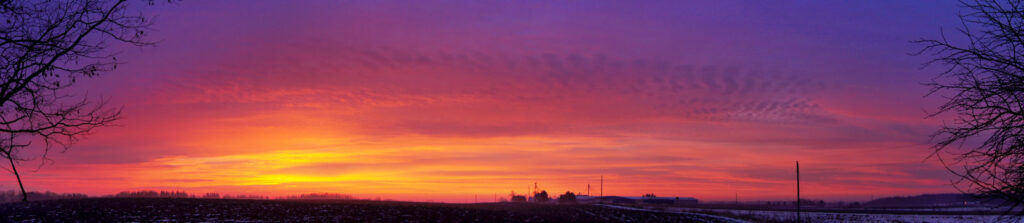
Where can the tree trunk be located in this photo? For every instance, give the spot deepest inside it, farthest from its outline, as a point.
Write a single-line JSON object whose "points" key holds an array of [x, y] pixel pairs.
{"points": [[24, 196]]}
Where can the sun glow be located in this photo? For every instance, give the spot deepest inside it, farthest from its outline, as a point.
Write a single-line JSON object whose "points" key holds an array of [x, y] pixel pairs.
{"points": [[363, 98]]}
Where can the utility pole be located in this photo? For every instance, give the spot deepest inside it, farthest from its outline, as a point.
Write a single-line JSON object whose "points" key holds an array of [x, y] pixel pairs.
{"points": [[737, 197], [798, 191], [602, 190], [588, 190]]}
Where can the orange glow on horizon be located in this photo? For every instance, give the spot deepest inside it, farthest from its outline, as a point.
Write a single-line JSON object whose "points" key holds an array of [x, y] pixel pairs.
{"points": [[377, 99]]}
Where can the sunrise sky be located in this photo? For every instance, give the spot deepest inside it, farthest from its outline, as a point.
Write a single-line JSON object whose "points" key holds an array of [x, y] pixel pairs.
{"points": [[444, 100]]}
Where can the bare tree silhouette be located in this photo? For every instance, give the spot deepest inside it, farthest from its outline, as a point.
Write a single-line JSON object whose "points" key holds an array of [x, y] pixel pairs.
{"points": [[983, 84], [45, 46]]}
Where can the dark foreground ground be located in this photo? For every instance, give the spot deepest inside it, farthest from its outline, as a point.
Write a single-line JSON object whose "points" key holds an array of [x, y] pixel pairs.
{"points": [[225, 210]]}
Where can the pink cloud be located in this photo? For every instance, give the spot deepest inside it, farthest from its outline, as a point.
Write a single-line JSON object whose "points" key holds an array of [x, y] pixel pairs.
{"points": [[310, 98]]}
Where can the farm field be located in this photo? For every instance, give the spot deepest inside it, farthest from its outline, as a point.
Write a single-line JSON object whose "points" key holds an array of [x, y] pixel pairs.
{"points": [[844, 216], [231, 210]]}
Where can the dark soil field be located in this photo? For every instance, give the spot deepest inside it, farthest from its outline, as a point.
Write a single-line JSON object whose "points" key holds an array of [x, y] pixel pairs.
{"points": [[228, 210]]}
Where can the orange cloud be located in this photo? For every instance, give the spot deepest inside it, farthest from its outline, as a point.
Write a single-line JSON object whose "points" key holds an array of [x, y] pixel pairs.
{"points": [[385, 106]]}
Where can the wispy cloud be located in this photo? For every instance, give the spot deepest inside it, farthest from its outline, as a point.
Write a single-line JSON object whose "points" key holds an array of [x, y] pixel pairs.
{"points": [[378, 98]]}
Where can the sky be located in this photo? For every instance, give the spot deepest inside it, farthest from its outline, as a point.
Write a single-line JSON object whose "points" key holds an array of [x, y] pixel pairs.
{"points": [[451, 100]]}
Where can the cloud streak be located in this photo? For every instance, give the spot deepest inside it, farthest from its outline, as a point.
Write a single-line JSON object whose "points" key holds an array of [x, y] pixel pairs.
{"points": [[375, 99]]}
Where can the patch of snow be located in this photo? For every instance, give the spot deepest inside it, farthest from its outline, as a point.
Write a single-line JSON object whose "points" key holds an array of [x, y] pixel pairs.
{"points": [[721, 218], [836, 217]]}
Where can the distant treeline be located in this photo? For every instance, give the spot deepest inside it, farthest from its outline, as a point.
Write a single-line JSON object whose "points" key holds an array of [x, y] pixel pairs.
{"points": [[152, 193], [320, 196], [934, 200], [183, 194], [15, 196], [918, 201]]}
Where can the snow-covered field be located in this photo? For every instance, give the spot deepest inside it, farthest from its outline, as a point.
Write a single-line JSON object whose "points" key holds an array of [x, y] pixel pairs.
{"points": [[230, 210], [715, 217], [836, 217], [221, 210]]}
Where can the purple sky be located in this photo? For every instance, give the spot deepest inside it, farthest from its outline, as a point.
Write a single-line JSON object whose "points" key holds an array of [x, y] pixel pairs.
{"points": [[442, 100]]}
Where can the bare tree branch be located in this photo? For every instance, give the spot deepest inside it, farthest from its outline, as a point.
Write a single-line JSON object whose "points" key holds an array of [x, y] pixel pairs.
{"points": [[45, 46], [983, 84]]}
